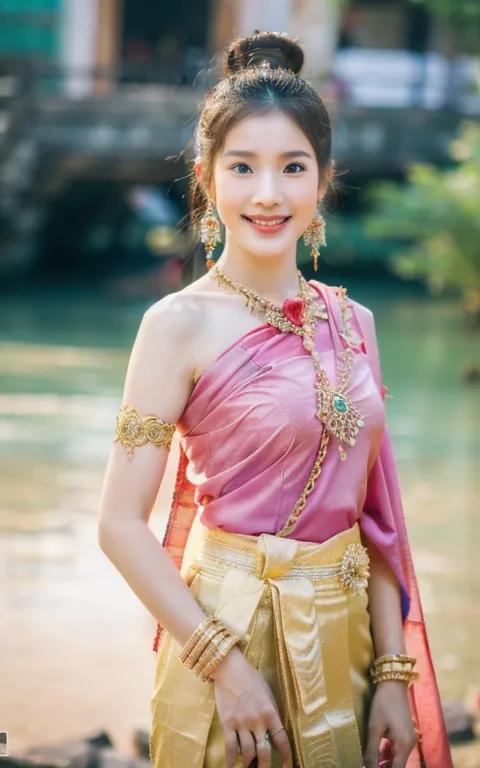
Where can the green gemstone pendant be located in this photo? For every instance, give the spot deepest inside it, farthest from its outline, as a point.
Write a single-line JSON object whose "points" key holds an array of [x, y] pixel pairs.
{"points": [[340, 405]]}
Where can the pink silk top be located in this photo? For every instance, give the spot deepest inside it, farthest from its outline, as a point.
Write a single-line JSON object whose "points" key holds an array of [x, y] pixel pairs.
{"points": [[249, 438]]}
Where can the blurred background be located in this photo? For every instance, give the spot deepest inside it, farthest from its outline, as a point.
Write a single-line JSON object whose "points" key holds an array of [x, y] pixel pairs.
{"points": [[98, 101]]}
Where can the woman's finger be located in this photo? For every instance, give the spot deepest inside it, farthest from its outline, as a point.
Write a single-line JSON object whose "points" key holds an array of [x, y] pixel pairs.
{"points": [[372, 751], [402, 750], [247, 745], [278, 736], [231, 747], [262, 746]]}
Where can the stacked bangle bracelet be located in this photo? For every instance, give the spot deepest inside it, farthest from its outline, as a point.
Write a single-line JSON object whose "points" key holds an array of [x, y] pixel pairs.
{"points": [[207, 647], [394, 667]]}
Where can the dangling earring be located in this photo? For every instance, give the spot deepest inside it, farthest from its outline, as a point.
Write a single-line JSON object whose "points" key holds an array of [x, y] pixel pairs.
{"points": [[314, 236], [209, 233]]}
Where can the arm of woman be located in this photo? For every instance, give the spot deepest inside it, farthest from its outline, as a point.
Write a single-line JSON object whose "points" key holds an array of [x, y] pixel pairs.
{"points": [[158, 383], [390, 715]]}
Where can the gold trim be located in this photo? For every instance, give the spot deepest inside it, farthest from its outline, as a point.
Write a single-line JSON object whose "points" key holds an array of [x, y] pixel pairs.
{"points": [[132, 430], [351, 572], [314, 475]]}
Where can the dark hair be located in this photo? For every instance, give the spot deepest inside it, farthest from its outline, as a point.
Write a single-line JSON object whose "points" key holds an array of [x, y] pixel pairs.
{"points": [[261, 73]]}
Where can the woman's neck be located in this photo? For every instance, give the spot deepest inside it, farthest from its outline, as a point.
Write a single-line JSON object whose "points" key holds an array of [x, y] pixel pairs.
{"points": [[274, 278]]}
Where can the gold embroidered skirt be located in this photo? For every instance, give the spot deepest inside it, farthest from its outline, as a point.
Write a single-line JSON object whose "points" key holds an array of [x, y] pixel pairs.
{"points": [[300, 610]]}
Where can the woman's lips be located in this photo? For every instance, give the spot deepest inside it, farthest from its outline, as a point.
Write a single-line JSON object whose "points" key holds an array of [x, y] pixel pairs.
{"points": [[268, 226]]}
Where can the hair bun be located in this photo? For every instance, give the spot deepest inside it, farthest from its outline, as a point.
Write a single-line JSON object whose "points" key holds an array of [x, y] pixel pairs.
{"points": [[279, 50]]}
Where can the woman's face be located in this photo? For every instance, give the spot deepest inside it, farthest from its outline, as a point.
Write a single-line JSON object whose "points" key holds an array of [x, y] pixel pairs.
{"points": [[266, 184]]}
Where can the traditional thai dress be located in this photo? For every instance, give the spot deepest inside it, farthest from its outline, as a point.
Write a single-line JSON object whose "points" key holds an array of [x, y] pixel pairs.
{"points": [[249, 437]]}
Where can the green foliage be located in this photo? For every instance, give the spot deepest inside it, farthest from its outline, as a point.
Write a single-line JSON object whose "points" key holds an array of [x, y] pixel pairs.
{"points": [[459, 12], [436, 217], [464, 15]]}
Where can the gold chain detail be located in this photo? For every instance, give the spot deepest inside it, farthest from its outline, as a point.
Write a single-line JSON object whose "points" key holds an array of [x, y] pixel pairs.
{"points": [[272, 313], [314, 475], [132, 431], [340, 417], [334, 408]]}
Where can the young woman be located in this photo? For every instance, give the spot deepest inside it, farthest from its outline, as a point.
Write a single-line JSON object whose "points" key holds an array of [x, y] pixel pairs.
{"points": [[296, 632]]}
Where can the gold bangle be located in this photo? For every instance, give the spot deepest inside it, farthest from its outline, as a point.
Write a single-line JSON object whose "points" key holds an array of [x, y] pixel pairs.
{"points": [[394, 658], [207, 647], [223, 651], [203, 645], [407, 677], [201, 631], [398, 667], [211, 650]]}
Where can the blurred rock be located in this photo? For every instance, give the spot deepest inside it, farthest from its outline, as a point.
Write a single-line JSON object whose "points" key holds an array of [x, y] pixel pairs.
{"points": [[100, 740], [109, 758], [459, 723], [141, 743], [77, 754], [470, 374]]}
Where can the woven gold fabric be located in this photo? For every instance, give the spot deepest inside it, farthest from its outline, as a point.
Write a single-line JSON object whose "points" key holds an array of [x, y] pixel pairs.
{"points": [[307, 634]]}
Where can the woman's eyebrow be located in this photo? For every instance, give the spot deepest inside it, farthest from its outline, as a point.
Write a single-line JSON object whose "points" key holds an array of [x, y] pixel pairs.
{"points": [[284, 155]]}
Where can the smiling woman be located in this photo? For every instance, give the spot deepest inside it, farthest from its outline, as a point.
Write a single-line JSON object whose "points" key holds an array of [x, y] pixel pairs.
{"points": [[292, 637], [263, 187]]}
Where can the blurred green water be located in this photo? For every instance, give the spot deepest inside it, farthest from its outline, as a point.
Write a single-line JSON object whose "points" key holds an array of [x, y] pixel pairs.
{"points": [[63, 361]]}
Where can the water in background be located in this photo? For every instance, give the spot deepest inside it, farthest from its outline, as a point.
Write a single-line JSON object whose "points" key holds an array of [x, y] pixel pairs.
{"points": [[75, 642]]}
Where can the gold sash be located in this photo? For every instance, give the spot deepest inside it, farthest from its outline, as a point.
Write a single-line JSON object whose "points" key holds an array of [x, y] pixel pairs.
{"points": [[300, 610]]}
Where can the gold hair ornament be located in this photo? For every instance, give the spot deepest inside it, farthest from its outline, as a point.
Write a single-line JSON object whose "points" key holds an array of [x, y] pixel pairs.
{"points": [[132, 430]]}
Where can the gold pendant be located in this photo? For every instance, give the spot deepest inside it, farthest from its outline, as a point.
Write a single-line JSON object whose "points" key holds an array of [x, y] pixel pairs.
{"points": [[340, 417]]}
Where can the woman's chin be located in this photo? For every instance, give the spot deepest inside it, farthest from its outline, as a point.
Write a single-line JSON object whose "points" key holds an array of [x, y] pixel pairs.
{"points": [[273, 249]]}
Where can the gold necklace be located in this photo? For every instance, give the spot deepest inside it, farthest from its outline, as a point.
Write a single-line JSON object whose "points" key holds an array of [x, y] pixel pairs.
{"points": [[299, 316]]}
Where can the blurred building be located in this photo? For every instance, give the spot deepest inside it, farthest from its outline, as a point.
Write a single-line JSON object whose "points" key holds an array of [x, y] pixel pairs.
{"points": [[96, 94], [157, 39]]}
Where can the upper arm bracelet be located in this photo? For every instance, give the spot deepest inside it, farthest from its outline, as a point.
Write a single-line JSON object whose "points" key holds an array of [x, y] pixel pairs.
{"points": [[133, 431]]}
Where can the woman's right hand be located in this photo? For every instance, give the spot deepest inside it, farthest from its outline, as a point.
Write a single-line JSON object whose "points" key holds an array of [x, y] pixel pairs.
{"points": [[247, 709]]}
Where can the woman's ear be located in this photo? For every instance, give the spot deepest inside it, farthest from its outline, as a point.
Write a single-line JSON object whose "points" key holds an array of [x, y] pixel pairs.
{"points": [[325, 181], [322, 190], [330, 173], [197, 169]]}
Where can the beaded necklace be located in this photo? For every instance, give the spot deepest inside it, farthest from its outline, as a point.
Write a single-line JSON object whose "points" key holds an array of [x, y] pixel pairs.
{"points": [[299, 315]]}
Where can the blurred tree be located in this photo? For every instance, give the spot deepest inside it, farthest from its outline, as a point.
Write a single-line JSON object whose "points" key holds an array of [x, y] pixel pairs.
{"points": [[434, 218], [464, 15]]}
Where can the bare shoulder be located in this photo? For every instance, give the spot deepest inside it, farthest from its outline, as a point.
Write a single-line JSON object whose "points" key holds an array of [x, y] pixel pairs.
{"points": [[177, 313], [183, 310], [160, 373], [173, 330]]}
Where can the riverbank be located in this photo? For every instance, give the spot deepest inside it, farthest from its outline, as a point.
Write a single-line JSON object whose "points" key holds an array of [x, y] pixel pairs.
{"points": [[75, 642]]}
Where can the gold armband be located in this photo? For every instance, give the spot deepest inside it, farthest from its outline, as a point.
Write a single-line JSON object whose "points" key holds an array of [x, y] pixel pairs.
{"points": [[133, 431]]}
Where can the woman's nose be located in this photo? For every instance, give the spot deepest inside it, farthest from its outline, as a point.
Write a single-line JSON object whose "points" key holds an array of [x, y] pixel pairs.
{"points": [[268, 191]]}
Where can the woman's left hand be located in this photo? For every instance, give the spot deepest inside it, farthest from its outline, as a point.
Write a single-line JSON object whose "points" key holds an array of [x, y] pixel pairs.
{"points": [[390, 718]]}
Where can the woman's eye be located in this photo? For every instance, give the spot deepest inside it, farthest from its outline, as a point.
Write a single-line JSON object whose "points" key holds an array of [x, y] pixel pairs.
{"points": [[241, 168], [294, 168]]}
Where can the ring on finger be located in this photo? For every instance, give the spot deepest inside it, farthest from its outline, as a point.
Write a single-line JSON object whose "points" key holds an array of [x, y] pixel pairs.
{"points": [[263, 743]]}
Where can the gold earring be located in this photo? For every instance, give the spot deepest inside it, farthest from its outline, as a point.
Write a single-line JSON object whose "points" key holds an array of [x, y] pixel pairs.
{"points": [[209, 233], [314, 236]]}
